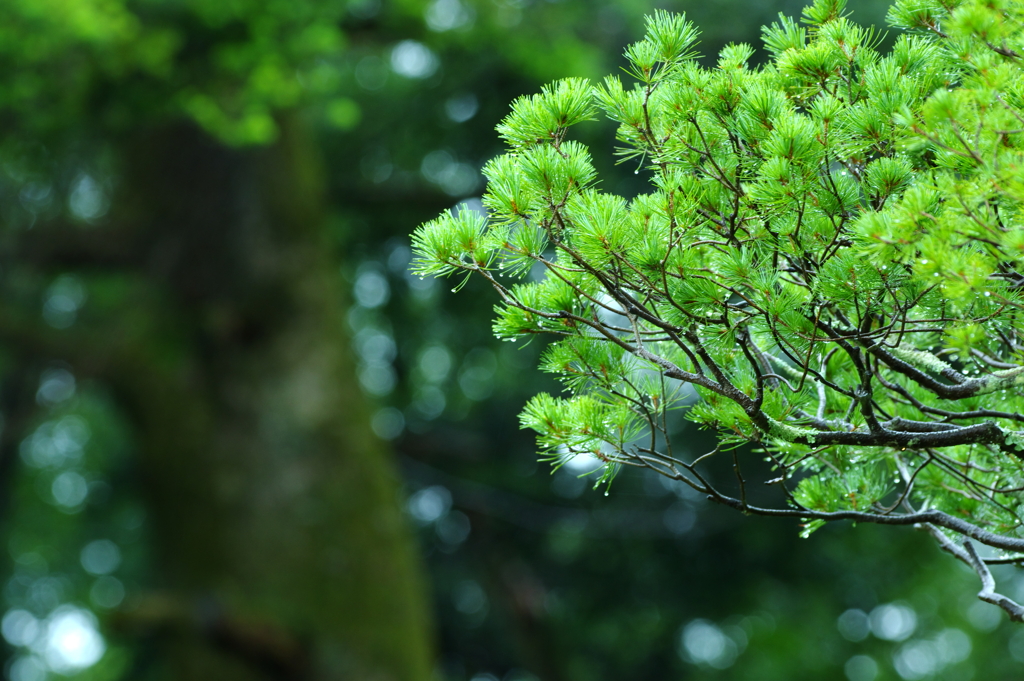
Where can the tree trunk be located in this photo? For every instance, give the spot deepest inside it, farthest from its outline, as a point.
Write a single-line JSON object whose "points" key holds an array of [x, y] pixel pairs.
{"points": [[281, 548]]}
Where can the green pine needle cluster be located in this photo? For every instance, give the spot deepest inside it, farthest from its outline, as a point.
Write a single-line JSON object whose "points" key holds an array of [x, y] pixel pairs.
{"points": [[831, 256]]}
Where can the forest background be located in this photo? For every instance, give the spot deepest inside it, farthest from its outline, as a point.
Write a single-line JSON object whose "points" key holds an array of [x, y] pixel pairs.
{"points": [[241, 441]]}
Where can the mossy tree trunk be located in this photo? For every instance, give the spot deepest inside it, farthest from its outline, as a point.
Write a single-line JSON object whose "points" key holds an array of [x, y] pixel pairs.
{"points": [[281, 550]]}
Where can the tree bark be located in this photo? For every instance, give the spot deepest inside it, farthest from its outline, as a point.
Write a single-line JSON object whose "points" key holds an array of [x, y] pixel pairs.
{"points": [[281, 548]]}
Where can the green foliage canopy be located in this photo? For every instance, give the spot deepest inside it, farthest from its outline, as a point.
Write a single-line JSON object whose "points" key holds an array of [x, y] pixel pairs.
{"points": [[830, 257], [229, 66]]}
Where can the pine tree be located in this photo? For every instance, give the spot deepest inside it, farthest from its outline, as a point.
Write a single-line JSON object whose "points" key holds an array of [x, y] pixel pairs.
{"points": [[827, 270]]}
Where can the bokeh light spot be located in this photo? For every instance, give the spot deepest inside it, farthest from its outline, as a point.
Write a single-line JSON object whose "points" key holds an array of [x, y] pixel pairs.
{"points": [[854, 625], [87, 200], [73, 640], [704, 643], [445, 15], [893, 622], [55, 386], [429, 504], [371, 289], [101, 557], [861, 668], [64, 297], [20, 627], [413, 59], [388, 423], [461, 108]]}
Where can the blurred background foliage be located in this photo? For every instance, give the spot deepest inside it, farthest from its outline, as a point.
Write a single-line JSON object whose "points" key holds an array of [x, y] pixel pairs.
{"points": [[240, 441]]}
